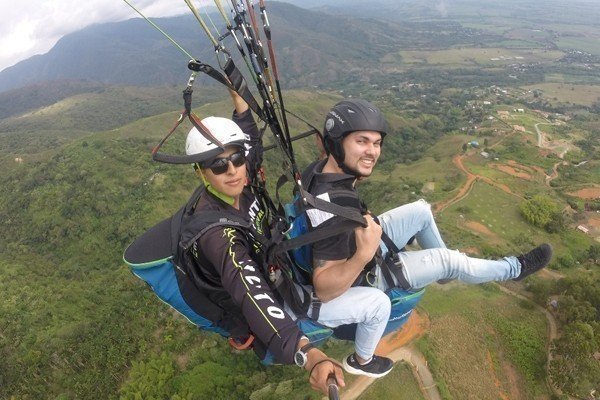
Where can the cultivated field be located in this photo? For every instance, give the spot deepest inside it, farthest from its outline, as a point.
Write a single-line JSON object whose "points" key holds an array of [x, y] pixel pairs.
{"points": [[563, 92], [582, 43], [479, 56]]}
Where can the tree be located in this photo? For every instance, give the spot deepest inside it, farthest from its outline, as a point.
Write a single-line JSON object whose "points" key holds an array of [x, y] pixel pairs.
{"points": [[540, 211], [566, 260], [573, 368], [150, 380], [557, 223], [594, 253], [572, 309]]}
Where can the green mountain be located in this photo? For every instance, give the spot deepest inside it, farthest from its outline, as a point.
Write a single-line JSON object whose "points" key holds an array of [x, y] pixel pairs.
{"points": [[310, 50], [313, 47]]}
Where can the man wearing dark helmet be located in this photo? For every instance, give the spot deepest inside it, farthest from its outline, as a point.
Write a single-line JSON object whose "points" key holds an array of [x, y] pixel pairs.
{"points": [[347, 268]]}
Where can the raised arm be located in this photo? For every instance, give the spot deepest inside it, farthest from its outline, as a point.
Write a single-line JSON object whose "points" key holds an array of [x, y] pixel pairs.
{"points": [[238, 103], [242, 116]]}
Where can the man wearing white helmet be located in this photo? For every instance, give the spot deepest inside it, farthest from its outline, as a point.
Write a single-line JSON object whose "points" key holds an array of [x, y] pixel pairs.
{"points": [[230, 257]]}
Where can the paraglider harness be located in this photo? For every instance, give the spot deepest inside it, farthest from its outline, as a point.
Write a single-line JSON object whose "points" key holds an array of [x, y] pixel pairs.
{"points": [[161, 256], [300, 236]]}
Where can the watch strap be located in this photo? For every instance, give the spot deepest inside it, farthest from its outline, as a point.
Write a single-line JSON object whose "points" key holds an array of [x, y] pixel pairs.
{"points": [[304, 349]]}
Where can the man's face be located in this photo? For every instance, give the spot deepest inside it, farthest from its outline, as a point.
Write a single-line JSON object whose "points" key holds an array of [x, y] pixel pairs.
{"points": [[362, 150], [231, 182]]}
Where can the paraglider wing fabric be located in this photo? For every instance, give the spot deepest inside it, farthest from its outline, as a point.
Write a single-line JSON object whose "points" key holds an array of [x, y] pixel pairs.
{"points": [[154, 244]]}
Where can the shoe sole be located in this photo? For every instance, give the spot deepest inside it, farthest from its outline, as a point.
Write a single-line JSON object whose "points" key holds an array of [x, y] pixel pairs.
{"points": [[351, 370]]}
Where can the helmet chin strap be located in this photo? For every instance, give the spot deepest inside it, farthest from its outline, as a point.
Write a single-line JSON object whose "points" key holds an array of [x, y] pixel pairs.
{"points": [[338, 154], [227, 199]]}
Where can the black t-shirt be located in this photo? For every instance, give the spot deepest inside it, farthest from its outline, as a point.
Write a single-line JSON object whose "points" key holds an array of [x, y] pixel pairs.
{"points": [[338, 189]]}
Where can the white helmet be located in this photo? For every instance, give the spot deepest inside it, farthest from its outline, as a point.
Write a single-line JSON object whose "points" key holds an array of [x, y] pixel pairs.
{"points": [[224, 130]]}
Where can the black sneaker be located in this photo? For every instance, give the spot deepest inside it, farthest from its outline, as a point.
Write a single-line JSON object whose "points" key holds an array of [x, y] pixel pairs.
{"points": [[535, 260], [376, 368]]}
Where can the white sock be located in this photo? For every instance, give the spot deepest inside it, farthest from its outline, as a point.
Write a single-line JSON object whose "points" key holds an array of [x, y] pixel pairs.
{"points": [[366, 362]]}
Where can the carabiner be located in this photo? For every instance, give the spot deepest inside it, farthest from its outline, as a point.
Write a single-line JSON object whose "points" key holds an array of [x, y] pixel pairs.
{"points": [[220, 50]]}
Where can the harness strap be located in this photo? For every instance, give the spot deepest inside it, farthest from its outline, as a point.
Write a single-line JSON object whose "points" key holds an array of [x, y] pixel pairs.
{"points": [[239, 84], [193, 158], [313, 236], [285, 284], [287, 290], [349, 218], [316, 306], [392, 266], [386, 272], [332, 208], [389, 268], [198, 66]]}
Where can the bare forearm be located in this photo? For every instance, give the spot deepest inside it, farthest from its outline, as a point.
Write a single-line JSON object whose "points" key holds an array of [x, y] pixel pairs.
{"points": [[330, 281], [239, 103]]}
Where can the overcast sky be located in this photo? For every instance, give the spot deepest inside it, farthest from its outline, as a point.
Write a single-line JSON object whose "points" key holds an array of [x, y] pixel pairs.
{"points": [[33, 27]]}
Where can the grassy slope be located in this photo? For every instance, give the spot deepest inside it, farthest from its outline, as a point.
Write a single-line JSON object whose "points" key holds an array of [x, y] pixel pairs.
{"points": [[478, 338], [400, 384]]}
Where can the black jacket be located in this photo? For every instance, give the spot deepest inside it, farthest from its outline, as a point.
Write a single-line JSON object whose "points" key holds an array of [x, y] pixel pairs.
{"points": [[232, 258]]}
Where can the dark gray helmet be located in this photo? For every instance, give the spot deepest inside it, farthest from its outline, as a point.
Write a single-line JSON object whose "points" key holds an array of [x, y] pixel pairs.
{"points": [[346, 117]]}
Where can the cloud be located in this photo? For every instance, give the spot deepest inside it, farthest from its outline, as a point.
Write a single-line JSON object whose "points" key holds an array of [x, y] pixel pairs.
{"points": [[442, 8], [33, 27]]}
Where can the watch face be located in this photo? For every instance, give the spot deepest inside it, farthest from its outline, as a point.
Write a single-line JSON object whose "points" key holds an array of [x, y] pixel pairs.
{"points": [[300, 359]]}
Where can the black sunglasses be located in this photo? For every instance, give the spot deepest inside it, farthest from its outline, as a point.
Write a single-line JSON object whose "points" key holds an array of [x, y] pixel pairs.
{"points": [[220, 165]]}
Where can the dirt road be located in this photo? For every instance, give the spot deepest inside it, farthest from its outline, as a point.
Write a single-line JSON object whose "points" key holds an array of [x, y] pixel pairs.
{"points": [[543, 142], [465, 190]]}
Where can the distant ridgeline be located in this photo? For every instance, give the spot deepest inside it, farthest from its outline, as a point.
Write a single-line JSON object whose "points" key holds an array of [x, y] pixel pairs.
{"points": [[312, 50], [132, 53]]}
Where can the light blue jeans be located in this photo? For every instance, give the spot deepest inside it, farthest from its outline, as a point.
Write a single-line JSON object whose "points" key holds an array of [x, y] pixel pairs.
{"points": [[436, 262], [369, 307]]}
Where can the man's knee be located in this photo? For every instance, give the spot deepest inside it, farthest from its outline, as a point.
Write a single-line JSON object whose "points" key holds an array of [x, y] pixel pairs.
{"points": [[407, 210], [422, 206], [380, 306]]}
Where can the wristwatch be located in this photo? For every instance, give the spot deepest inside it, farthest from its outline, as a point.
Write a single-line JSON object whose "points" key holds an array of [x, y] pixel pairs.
{"points": [[301, 356]]}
